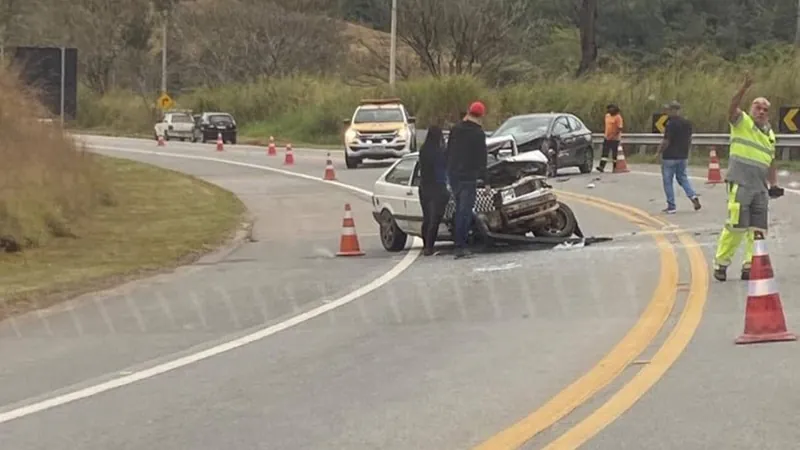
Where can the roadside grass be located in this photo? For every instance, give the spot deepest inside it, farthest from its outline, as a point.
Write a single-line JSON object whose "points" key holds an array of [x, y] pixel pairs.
{"points": [[309, 110], [158, 219]]}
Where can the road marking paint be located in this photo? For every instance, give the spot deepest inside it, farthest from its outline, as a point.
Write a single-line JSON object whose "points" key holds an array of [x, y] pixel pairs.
{"points": [[159, 369], [694, 177], [507, 266], [619, 358], [665, 357], [235, 163]]}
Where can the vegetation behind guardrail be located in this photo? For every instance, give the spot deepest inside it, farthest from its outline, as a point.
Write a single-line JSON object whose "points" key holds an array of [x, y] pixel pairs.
{"points": [[310, 110]]}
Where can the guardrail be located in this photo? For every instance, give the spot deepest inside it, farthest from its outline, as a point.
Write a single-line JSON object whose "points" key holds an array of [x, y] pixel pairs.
{"points": [[783, 140], [643, 143]]}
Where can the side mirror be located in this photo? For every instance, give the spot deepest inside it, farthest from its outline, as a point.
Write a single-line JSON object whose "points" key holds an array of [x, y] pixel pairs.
{"points": [[412, 120], [346, 121]]}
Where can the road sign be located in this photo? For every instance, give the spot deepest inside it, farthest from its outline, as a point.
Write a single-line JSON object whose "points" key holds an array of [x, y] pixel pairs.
{"points": [[789, 119], [165, 101], [660, 122]]}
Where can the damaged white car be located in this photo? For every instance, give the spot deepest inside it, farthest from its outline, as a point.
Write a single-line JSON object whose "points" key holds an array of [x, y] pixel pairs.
{"points": [[517, 206]]}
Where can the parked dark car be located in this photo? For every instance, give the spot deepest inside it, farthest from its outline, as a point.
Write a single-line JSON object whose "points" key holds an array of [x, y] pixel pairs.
{"points": [[210, 124], [563, 137]]}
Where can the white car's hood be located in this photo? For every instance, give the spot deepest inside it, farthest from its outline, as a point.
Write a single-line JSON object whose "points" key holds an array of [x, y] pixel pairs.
{"points": [[532, 156]]}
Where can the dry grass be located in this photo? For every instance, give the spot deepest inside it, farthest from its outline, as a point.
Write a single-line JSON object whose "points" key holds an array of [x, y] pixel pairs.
{"points": [[72, 221], [47, 181]]}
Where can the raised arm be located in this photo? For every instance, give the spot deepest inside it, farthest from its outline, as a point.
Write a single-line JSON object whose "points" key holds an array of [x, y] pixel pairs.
{"points": [[734, 113]]}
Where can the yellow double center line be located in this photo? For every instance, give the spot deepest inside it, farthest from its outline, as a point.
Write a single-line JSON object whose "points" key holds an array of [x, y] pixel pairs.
{"points": [[623, 354]]}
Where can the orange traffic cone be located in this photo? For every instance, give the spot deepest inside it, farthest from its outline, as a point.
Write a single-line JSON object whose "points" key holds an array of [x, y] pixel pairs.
{"points": [[714, 173], [620, 166], [271, 151], [220, 146], [289, 159], [330, 173], [348, 245], [160, 140], [764, 320]]}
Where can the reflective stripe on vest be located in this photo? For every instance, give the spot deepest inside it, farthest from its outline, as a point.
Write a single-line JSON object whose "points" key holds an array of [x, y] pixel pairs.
{"points": [[752, 144]]}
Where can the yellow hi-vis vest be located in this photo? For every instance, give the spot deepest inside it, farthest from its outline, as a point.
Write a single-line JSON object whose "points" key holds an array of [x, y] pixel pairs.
{"points": [[749, 143]]}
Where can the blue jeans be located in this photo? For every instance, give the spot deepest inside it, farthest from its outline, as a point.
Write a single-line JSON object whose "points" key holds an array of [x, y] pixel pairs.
{"points": [[676, 168], [464, 193]]}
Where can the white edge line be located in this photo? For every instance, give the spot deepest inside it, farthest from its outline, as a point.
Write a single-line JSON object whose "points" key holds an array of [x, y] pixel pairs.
{"points": [[159, 369]]}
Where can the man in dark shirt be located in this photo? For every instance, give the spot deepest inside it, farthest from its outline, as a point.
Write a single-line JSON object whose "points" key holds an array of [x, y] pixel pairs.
{"points": [[466, 163], [674, 156]]}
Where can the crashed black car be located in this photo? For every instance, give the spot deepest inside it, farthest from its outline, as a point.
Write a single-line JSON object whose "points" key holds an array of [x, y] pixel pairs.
{"points": [[563, 137]]}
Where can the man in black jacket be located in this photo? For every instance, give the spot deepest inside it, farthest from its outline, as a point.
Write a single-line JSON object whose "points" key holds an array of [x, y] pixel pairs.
{"points": [[466, 163]]}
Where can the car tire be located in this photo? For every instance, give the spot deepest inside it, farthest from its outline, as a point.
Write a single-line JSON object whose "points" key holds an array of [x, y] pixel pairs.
{"points": [[351, 163], [588, 161], [393, 238], [564, 225], [233, 140]]}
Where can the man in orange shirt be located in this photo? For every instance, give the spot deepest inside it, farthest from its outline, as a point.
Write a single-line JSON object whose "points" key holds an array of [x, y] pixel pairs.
{"points": [[613, 134]]}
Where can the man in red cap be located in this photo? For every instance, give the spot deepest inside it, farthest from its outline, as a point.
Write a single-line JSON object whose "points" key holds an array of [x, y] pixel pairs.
{"points": [[466, 164]]}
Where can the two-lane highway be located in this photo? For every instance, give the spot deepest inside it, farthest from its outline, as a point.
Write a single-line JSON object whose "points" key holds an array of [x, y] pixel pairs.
{"points": [[289, 353]]}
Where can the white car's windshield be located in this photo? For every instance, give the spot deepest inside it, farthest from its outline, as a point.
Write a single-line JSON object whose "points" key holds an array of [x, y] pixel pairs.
{"points": [[523, 125], [373, 115]]}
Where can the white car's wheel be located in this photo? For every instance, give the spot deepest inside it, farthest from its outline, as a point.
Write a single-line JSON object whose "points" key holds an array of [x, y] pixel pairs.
{"points": [[392, 237]]}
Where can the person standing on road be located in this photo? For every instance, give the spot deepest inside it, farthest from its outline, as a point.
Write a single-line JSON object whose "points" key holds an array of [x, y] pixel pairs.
{"points": [[466, 163], [674, 156], [433, 194], [611, 138], [751, 180]]}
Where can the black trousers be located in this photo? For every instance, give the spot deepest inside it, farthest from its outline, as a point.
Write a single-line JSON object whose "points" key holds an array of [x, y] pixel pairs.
{"points": [[433, 198], [611, 147]]}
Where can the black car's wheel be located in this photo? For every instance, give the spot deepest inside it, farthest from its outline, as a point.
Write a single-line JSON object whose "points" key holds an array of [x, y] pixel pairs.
{"points": [[392, 237], [233, 140], [562, 223], [588, 161]]}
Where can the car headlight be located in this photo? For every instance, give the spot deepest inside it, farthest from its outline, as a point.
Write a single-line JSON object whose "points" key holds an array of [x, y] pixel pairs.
{"points": [[402, 135], [351, 136], [507, 195]]}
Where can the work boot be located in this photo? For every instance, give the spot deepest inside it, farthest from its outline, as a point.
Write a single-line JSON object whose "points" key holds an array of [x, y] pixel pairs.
{"points": [[696, 203], [745, 273], [721, 273]]}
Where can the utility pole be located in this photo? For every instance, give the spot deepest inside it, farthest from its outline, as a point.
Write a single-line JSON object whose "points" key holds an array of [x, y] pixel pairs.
{"points": [[797, 30], [164, 53], [393, 45]]}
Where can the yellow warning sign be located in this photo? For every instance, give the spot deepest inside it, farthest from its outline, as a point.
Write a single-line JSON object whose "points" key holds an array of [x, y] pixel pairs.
{"points": [[790, 120], [165, 101], [660, 123]]}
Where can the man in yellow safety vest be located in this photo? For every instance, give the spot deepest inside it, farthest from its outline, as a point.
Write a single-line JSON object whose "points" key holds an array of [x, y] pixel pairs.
{"points": [[751, 180]]}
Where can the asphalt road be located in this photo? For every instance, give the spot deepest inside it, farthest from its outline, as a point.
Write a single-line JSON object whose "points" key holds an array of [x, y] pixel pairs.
{"points": [[445, 354]]}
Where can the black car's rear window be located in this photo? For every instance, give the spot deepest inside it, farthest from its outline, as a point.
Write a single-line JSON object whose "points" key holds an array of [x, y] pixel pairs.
{"points": [[220, 119]]}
